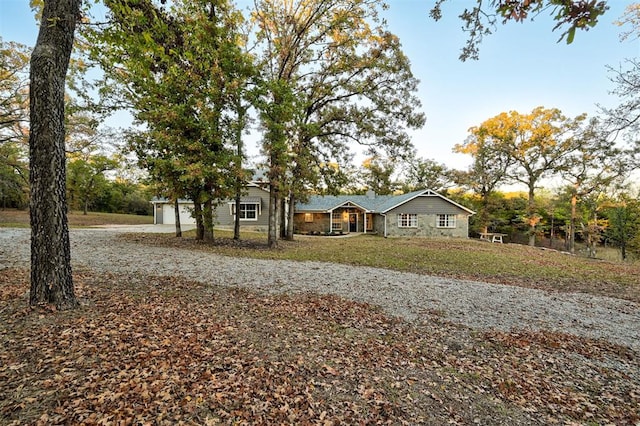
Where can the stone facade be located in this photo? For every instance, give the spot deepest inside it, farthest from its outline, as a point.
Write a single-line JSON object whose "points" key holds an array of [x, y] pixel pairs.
{"points": [[427, 227]]}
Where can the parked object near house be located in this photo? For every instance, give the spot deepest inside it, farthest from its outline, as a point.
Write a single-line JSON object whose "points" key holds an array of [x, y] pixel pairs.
{"points": [[254, 210], [422, 213]]}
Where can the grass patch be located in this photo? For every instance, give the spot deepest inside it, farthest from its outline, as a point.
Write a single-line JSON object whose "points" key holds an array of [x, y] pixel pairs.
{"points": [[12, 218], [509, 264], [148, 350]]}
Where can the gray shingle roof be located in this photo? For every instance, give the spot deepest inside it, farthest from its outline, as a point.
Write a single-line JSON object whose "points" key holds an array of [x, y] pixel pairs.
{"points": [[377, 204]]}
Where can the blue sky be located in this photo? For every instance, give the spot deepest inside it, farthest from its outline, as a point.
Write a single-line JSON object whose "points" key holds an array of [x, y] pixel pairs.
{"points": [[521, 67]]}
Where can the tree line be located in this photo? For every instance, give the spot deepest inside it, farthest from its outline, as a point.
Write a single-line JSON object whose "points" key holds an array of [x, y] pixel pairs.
{"points": [[320, 76], [89, 150]]}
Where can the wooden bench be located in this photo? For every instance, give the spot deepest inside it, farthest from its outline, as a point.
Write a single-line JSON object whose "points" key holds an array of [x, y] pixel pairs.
{"points": [[492, 237]]}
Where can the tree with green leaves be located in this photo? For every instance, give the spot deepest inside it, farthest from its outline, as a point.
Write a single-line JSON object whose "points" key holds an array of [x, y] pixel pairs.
{"points": [[592, 166], [14, 92], [420, 173], [177, 67], [481, 19], [378, 175], [86, 178], [14, 176], [51, 279], [332, 76], [14, 117], [623, 215], [487, 172]]}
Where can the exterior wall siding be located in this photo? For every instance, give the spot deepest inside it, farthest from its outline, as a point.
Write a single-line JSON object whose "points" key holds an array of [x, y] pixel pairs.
{"points": [[223, 216], [428, 205], [226, 219], [378, 224], [427, 208]]}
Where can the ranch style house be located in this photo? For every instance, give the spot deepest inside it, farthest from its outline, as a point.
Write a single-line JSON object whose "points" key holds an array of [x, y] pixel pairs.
{"points": [[422, 213]]}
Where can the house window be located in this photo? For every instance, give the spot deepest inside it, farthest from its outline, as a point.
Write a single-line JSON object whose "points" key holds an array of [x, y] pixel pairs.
{"points": [[407, 220], [446, 221], [248, 211], [308, 217], [369, 222], [336, 221]]}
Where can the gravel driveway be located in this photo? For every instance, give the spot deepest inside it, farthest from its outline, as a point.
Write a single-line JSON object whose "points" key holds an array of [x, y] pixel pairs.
{"points": [[412, 296]]}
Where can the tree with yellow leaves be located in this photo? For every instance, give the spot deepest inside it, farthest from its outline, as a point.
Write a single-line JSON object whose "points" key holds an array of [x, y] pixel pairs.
{"points": [[532, 143]]}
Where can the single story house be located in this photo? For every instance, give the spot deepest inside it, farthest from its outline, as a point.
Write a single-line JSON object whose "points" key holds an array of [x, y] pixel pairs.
{"points": [[420, 213], [254, 210]]}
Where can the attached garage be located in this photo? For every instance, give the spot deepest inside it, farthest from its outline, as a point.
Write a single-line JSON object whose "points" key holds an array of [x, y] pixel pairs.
{"points": [[164, 212]]}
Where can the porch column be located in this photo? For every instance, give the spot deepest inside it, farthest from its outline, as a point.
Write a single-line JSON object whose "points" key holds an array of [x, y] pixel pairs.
{"points": [[365, 222], [330, 220]]}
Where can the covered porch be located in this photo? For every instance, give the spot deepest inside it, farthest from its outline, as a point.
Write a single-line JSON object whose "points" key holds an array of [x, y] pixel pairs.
{"points": [[345, 218]]}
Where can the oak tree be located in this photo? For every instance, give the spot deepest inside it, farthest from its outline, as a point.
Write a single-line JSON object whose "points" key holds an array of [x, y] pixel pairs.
{"points": [[534, 143], [178, 68], [481, 19], [333, 77], [592, 166], [623, 228], [14, 117], [487, 171], [51, 280], [421, 173]]}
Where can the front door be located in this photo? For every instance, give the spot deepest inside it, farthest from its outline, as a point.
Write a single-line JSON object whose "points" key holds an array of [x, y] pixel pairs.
{"points": [[353, 222]]}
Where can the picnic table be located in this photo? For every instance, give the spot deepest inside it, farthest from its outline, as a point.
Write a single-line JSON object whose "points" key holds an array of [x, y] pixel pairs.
{"points": [[492, 237]]}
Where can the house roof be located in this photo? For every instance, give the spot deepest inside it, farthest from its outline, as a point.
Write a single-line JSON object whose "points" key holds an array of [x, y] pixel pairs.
{"points": [[373, 204], [247, 200]]}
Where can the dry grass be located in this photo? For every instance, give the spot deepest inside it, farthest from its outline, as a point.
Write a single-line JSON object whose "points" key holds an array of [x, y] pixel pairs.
{"points": [[20, 219], [509, 264]]}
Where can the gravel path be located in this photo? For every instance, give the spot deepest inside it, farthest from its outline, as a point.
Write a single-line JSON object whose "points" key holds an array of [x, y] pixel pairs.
{"points": [[412, 296]]}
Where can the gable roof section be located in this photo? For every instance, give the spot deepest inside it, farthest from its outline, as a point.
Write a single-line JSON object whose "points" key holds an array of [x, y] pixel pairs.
{"points": [[404, 198], [327, 203], [377, 204]]}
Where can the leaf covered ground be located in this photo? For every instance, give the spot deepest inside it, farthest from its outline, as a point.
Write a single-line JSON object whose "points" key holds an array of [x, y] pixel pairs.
{"points": [[148, 350]]}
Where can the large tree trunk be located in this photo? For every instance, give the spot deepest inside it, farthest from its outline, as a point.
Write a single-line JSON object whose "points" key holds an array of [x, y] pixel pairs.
{"points": [[197, 213], [208, 218], [51, 280], [176, 210], [272, 238], [290, 213], [236, 219], [283, 217], [484, 213]]}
